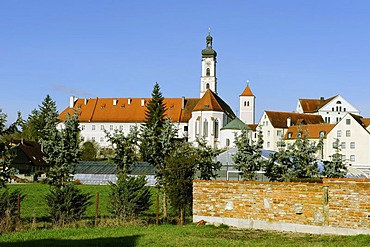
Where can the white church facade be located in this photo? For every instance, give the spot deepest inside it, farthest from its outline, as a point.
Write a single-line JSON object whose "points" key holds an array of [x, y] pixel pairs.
{"points": [[203, 117]]}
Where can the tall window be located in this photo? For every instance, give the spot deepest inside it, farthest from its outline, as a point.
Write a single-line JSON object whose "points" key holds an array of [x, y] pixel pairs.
{"points": [[339, 133], [110, 127], [352, 158], [101, 127], [227, 142], [348, 133], [83, 127], [352, 145], [196, 127], [208, 72], [215, 129], [93, 127], [343, 145], [205, 128], [207, 86]]}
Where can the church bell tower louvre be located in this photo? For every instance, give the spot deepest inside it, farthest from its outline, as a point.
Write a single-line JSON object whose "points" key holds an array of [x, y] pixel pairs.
{"points": [[208, 79]]}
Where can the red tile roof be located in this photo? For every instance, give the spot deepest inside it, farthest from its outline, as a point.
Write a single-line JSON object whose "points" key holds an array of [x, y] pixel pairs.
{"points": [[212, 102], [279, 119], [247, 91], [311, 130], [129, 110], [313, 105]]}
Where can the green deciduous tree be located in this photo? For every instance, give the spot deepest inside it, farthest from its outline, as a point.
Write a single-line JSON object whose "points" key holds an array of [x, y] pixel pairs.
{"points": [[205, 160], [248, 157], [89, 151], [178, 177]]}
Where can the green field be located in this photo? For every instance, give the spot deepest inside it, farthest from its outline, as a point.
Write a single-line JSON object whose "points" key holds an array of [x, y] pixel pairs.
{"points": [[170, 235], [34, 209]]}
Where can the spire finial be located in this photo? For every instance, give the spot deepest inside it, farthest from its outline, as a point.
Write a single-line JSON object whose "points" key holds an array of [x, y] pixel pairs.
{"points": [[209, 31], [247, 82]]}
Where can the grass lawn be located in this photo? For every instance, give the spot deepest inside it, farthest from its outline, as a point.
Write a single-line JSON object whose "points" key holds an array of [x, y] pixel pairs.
{"points": [[170, 235], [34, 208]]}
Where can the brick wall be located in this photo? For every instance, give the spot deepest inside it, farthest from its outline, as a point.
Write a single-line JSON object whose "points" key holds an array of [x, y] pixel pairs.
{"points": [[336, 203]]}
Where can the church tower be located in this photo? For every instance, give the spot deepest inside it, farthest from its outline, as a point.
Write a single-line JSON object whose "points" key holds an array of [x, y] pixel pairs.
{"points": [[208, 79], [247, 105]]}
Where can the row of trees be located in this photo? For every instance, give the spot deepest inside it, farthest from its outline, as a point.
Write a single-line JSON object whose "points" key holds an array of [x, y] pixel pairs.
{"points": [[176, 161], [296, 161]]}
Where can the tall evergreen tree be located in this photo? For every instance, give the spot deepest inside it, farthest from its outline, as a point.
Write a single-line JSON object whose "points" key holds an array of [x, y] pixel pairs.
{"points": [[61, 148], [32, 129], [248, 157], [157, 137], [129, 195], [7, 152]]}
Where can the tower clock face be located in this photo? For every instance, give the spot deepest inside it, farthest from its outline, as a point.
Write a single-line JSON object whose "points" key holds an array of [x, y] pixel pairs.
{"points": [[208, 61]]}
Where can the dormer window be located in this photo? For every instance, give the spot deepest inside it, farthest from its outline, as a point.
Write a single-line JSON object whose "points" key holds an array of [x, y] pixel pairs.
{"points": [[290, 135], [322, 134], [206, 106]]}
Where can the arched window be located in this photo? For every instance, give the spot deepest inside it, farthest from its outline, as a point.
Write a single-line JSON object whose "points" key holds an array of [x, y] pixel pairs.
{"points": [[208, 72], [338, 102], [215, 128], [207, 86], [247, 103], [205, 128], [227, 142]]}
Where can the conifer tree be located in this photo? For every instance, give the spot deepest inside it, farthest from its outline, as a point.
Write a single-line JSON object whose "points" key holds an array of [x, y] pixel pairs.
{"points": [[297, 161], [61, 147], [336, 167], [248, 157], [129, 195], [32, 129], [157, 137]]}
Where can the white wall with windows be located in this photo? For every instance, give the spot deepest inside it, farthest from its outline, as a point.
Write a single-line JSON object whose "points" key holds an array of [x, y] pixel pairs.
{"points": [[354, 141]]}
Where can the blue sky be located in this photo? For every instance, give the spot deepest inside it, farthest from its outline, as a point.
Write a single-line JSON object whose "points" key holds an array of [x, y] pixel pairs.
{"points": [[287, 49]]}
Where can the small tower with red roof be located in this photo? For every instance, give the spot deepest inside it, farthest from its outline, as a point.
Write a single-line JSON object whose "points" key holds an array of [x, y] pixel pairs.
{"points": [[247, 105]]}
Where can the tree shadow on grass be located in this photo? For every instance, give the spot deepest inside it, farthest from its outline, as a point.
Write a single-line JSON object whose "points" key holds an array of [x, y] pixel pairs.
{"points": [[120, 241]]}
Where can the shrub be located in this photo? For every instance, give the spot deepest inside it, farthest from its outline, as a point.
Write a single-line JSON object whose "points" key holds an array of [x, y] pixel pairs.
{"points": [[129, 197], [67, 204], [8, 209]]}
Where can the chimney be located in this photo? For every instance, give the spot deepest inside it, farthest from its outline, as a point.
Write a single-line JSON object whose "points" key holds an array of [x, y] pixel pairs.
{"points": [[143, 102], [71, 101], [321, 100], [115, 102], [288, 122], [129, 101], [183, 102], [85, 101]]}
